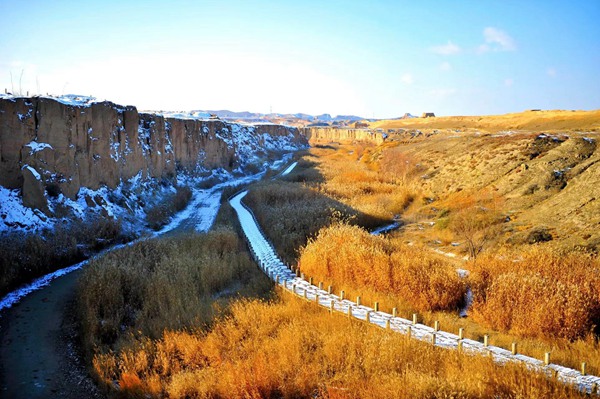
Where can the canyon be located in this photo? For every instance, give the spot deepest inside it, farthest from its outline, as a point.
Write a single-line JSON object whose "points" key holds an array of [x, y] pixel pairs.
{"points": [[52, 146]]}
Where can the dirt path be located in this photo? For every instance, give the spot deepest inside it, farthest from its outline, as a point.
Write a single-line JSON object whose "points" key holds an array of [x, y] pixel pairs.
{"points": [[37, 348], [38, 356]]}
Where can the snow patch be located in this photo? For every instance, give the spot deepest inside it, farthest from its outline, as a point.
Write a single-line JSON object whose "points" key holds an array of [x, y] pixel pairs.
{"points": [[37, 147], [33, 172]]}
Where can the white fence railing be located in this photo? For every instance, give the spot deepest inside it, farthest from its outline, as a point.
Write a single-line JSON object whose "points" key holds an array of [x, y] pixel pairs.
{"points": [[266, 257]]}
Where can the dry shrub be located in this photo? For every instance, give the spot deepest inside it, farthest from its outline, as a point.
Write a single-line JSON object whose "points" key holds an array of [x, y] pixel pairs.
{"points": [[540, 294], [161, 284], [348, 254], [25, 256], [399, 166], [160, 214], [293, 350]]}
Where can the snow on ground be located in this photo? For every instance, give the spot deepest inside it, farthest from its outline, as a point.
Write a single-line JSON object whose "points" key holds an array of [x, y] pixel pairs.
{"points": [[265, 255], [67, 99], [13, 297], [15, 216], [199, 215], [289, 169]]}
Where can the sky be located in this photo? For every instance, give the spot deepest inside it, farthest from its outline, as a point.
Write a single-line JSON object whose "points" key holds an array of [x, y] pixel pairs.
{"points": [[370, 58]]}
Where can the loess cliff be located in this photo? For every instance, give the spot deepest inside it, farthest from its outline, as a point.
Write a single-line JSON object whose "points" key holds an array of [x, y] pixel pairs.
{"points": [[52, 146]]}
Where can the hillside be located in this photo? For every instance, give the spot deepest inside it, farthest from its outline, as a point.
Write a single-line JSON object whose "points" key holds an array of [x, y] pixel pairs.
{"points": [[528, 120], [541, 167]]}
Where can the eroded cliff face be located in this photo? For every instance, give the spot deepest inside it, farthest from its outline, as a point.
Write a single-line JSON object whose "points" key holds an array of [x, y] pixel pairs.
{"points": [[328, 134], [52, 146]]}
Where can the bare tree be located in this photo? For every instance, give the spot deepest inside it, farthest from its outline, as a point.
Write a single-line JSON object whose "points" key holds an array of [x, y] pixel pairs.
{"points": [[477, 221]]}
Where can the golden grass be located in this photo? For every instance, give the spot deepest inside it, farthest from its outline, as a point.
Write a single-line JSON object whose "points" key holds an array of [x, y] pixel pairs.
{"points": [[161, 284], [538, 293], [360, 265], [350, 255], [530, 120], [289, 349]]}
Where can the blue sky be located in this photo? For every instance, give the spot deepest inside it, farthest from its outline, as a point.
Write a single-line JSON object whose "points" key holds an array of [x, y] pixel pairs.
{"points": [[376, 58]]}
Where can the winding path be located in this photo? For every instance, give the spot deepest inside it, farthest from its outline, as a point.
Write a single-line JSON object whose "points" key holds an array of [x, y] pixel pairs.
{"points": [[38, 332], [266, 257]]}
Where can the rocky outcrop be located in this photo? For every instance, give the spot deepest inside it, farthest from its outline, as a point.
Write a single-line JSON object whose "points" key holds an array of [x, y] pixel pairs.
{"points": [[328, 134], [33, 190], [72, 145]]}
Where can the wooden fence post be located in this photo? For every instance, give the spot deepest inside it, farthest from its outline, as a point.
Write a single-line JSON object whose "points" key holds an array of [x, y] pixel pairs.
{"points": [[414, 320], [358, 300], [461, 333], [546, 358], [329, 290], [486, 341], [583, 368], [317, 299], [433, 339], [349, 311], [310, 280], [436, 325], [342, 295], [376, 306], [331, 306], [368, 319], [514, 348], [409, 332], [394, 312], [320, 285], [387, 324]]}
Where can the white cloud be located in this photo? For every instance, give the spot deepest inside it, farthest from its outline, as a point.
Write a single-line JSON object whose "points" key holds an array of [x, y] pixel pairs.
{"points": [[508, 82], [446, 49], [497, 40], [407, 79], [445, 66], [551, 72]]}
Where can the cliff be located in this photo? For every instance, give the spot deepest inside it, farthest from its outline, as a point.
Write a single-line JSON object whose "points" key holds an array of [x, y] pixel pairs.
{"points": [[55, 146], [328, 134]]}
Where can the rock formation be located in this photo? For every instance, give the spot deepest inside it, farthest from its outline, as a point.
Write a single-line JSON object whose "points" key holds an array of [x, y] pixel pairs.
{"points": [[56, 146], [328, 134]]}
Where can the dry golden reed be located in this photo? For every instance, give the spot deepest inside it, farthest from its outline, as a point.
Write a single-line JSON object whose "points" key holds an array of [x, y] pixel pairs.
{"points": [[538, 293], [290, 349], [349, 254]]}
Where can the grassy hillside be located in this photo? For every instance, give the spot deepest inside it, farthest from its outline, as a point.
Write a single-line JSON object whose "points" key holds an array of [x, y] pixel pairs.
{"points": [[528, 120]]}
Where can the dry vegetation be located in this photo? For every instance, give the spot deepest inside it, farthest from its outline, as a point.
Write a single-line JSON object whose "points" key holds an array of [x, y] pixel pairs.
{"points": [[160, 214], [154, 285], [546, 298], [148, 311], [289, 349], [24, 257], [345, 254], [540, 294], [529, 120]]}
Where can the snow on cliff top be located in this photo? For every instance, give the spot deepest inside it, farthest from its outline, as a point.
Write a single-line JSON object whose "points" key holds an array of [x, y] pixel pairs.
{"points": [[67, 99]]}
